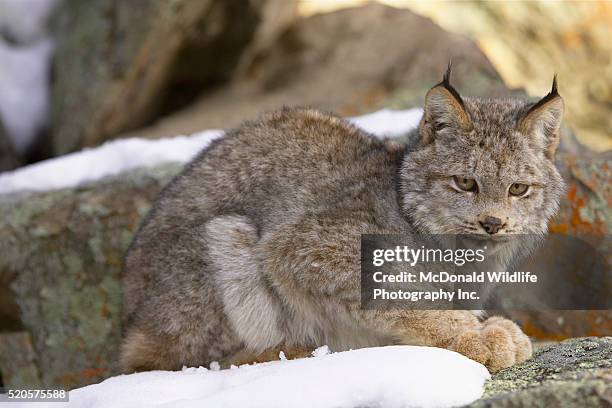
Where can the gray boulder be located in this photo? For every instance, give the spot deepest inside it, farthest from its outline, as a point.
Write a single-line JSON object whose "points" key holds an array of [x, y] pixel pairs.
{"points": [[576, 373], [60, 270], [118, 61]]}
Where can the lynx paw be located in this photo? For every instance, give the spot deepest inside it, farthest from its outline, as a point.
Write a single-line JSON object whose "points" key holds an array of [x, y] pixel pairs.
{"points": [[498, 344]]}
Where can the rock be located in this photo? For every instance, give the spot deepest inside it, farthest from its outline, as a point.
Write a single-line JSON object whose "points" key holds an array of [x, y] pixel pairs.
{"points": [[61, 260], [8, 158], [18, 360], [117, 62], [349, 61], [584, 213], [574, 373]]}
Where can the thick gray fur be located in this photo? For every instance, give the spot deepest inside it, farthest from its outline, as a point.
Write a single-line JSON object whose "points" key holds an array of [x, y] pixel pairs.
{"points": [[255, 246]]}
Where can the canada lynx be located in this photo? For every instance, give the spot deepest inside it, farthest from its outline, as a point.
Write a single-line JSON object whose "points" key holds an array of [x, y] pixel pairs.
{"points": [[255, 246]]}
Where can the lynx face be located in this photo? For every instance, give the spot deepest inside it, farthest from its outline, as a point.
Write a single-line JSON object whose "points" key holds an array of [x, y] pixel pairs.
{"points": [[483, 166]]}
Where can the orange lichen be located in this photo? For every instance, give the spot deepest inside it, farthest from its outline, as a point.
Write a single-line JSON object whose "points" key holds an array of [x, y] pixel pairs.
{"points": [[104, 311], [70, 379], [114, 260], [536, 332], [561, 228], [577, 224], [559, 325]]}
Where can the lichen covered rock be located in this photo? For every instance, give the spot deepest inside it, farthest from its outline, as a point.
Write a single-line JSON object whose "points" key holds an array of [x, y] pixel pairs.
{"points": [[62, 253], [584, 212], [573, 373]]}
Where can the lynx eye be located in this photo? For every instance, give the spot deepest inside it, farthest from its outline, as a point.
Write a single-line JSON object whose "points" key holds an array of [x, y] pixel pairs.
{"points": [[518, 189], [465, 184]]}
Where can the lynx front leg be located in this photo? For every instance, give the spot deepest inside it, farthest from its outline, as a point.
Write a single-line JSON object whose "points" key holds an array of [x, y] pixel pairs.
{"points": [[497, 342]]}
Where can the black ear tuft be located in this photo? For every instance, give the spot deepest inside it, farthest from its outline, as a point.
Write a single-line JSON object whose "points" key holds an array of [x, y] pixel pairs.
{"points": [[447, 74], [447, 85], [554, 93]]}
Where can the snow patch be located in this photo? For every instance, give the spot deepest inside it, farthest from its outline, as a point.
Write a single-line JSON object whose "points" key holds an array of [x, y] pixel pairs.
{"points": [[24, 69], [389, 122], [109, 159], [394, 376], [321, 351], [25, 21], [24, 91]]}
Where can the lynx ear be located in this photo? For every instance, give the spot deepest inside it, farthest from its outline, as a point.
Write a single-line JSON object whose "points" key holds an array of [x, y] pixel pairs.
{"points": [[543, 121], [444, 108]]}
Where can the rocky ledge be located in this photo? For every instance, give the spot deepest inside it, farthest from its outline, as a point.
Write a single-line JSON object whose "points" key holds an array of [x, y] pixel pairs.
{"points": [[573, 373]]}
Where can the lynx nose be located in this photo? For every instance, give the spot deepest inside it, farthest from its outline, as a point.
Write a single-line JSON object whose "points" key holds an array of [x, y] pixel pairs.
{"points": [[492, 225]]}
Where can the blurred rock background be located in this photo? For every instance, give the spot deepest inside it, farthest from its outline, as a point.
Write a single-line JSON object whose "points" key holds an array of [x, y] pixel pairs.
{"points": [[529, 41], [87, 71]]}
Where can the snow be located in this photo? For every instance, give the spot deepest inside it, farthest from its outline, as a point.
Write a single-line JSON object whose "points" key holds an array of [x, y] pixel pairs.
{"points": [[24, 21], [124, 154], [109, 159], [24, 69], [321, 351], [389, 122], [394, 376], [24, 91]]}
